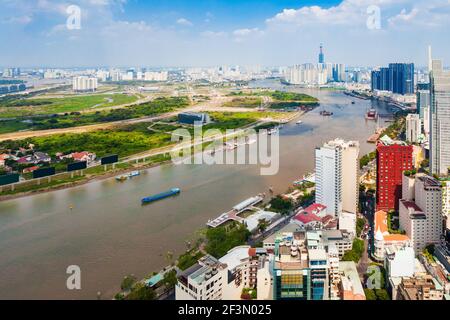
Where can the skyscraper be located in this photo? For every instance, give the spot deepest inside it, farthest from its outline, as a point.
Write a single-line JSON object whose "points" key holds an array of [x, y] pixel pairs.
{"points": [[413, 127], [393, 157], [401, 77], [439, 119], [398, 78], [321, 55], [337, 176]]}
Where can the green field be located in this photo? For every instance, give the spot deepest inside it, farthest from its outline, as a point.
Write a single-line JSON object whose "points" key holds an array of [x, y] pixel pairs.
{"points": [[12, 126], [278, 96], [244, 102], [43, 106], [152, 108]]}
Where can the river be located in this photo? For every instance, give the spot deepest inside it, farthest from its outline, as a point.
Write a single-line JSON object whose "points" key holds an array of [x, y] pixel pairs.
{"points": [[108, 234]]}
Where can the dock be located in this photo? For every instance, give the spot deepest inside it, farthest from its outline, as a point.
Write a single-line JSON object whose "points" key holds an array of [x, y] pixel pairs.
{"points": [[233, 214]]}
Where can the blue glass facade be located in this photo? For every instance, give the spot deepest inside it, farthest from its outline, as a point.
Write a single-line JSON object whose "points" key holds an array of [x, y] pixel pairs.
{"points": [[397, 78]]}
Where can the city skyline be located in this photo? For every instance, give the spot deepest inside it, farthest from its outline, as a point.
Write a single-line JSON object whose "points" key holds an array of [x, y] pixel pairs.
{"points": [[152, 33]]}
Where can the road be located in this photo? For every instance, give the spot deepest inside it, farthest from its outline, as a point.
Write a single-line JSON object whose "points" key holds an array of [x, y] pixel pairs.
{"points": [[363, 263]]}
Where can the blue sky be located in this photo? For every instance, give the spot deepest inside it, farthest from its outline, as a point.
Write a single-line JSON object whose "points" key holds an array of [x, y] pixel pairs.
{"points": [[214, 32]]}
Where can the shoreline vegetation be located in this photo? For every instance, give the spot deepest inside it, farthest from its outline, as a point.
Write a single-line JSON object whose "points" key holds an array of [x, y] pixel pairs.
{"points": [[129, 141], [35, 122], [150, 140]]}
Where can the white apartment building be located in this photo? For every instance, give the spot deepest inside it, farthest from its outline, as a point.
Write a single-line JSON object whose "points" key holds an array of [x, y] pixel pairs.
{"points": [[84, 84], [205, 280], [399, 262], [156, 76], [307, 74], [337, 176], [249, 268], [446, 201], [439, 119], [413, 127], [422, 219], [102, 75]]}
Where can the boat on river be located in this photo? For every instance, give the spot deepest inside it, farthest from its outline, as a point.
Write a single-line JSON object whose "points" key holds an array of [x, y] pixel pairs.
{"points": [[160, 196], [127, 176]]}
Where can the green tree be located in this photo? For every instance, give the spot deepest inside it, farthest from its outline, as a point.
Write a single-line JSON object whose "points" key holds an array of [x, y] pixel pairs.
{"points": [[280, 205], [382, 294], [221, 239], [262, 225], [170, 278], [141, 292], [128, 282], [370, 294]]}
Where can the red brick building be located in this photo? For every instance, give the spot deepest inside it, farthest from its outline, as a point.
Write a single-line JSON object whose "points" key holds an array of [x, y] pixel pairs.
{"points": [[393, 157]]}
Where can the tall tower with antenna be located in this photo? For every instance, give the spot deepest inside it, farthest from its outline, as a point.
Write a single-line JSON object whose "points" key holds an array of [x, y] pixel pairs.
{"points": [[430, 60], [321, 55]]}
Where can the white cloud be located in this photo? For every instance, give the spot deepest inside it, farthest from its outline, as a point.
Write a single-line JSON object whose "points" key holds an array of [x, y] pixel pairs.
{"points": [[22, 20], [214, 34], [246, 33], [184, 22]]}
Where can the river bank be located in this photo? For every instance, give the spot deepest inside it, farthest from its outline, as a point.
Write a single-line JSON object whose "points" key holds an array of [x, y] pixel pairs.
{"points": [[81, 180], [109, 234]]}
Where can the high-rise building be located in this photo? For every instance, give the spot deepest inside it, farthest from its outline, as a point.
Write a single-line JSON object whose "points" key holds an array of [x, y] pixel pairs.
{"points": [[439, 119], [84, 84], [393, 157], [401, 77], [307, 74], [338, 72], [321, 55], [301, 268], [421, 218], [423, 101], [397, 78], [337, 176], [413, 127], [205, 280]]}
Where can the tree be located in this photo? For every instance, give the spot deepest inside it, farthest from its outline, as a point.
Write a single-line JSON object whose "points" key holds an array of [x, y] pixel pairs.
{"points": [[360, 223], [141, 292], [382, 294], [370, 294], [170, 279], [220, 240], [128, 282], [262, 225], [280, 205]]}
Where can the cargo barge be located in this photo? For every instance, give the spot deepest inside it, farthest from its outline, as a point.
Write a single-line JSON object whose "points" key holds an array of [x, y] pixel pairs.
{"points": [[160, 196]]}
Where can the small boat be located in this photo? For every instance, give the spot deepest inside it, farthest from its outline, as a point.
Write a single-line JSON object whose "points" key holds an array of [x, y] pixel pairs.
{"points": [[371, 114], [122, 178], [272, 131], [160, 196], [299, 122], [326, 113], [134, 174]]}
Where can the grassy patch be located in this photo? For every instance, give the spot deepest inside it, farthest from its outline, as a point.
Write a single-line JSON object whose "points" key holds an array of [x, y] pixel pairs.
{"points": [[42, 106], [244, 102]]}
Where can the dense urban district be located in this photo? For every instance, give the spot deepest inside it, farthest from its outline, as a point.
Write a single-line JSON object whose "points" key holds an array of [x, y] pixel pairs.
{"points": [[370, 226]]}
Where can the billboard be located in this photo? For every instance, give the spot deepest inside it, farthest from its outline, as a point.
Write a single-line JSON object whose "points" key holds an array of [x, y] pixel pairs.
{"points": [[110, 159], [76, 166], [44, 172], [9, 178]]}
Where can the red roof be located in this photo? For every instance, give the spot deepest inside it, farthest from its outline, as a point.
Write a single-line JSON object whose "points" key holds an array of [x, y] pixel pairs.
{"points": [[79, 155], [30, 169], [4, 156], [315, 208], [252, 252]]}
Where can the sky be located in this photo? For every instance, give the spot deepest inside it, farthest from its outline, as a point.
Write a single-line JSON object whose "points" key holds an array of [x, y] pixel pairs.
{"points": [[88, 33]]}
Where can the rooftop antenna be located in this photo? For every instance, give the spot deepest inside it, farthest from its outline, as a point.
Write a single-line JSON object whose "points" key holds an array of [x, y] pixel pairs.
{"points": [[430, 63]]}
